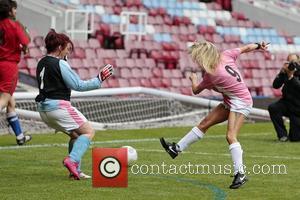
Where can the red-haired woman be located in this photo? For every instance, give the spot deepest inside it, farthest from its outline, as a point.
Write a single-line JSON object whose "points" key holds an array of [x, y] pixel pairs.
{"points": [[56, 79]]}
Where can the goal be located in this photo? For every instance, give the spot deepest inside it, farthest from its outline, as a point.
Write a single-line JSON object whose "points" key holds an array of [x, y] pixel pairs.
{"points": [[125, 108]]}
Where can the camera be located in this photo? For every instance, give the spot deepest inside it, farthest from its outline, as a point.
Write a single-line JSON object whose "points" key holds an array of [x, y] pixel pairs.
{"points": [[294, 65]]}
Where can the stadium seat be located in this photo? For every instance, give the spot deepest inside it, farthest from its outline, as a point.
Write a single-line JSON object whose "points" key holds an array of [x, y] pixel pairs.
{"points": [[277, 92], [31, 63], [83, 73], [22, 64], [186, 91], [146, 83], [98, 62], [166, 82], [93, 72], [87, 63], [130, 62], [75, 63], [176, 73], [90, 53], [83, 44], [140, 63], [113, 83], [267, 91], [134, 82], [121, 53], [174, 24], [124, 82], [35, 52], [186, 82], [94, 43], [147, 73], [137, 72], [78, 53], [120, 62], [125, 72], [32, 72], [157, 72], [156, 82], [176, 82], [39, 41]]}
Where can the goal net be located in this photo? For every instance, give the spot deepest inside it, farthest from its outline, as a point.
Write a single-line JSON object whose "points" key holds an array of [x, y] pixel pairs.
{"points": [[123, 108]]}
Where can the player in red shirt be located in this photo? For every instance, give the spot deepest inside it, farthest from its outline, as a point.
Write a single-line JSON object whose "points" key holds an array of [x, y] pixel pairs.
{"points": [[13, 40]]}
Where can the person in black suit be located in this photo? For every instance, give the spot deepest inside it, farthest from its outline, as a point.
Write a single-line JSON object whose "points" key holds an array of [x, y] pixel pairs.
{"points": [[289, 104]]}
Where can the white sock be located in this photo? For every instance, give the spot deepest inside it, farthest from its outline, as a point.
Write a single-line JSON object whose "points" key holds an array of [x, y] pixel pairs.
{"points": [[237, 157], [19, 137], [193, 136], [11, 114]]}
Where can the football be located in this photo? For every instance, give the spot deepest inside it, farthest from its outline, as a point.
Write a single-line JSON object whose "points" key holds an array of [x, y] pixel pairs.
{"points": [[131, 155]]}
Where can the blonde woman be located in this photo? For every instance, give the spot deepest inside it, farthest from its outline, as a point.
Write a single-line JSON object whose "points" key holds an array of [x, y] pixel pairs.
{"points": [[222, 75]]}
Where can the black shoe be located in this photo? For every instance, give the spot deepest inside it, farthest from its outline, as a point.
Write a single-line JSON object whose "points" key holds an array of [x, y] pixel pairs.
{"points": [[169, 147], [238, 181], [25, 139]]}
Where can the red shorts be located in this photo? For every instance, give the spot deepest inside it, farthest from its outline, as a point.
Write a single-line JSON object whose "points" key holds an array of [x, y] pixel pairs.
{"points": [[8, 77]]}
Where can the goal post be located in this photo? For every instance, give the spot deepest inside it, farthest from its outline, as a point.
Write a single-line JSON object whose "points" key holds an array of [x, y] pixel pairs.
{"points": [[129, 107], [142, 90]]}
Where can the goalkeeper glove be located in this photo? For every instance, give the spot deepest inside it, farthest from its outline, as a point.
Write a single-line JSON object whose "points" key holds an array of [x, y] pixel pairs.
{"points": [[106, 72]]}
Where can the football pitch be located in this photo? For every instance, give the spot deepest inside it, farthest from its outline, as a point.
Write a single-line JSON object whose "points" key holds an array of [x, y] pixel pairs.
{"points": [[35, 171]]}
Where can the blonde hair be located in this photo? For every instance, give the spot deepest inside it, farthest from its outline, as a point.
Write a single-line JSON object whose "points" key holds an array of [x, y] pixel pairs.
{"points": [[206, 55]]}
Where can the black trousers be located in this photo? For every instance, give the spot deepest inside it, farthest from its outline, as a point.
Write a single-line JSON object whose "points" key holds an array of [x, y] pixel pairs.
{"points": [[279, 109]]}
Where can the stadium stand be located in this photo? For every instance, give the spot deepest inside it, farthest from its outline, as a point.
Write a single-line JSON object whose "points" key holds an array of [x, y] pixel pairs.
{"points": [[160, 59]]}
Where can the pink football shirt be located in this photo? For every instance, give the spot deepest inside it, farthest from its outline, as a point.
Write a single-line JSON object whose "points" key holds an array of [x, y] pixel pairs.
{"points": [[227, 80]]}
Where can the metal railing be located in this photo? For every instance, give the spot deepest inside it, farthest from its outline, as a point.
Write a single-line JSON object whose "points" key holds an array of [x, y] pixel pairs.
{"points": [[140, 28]]}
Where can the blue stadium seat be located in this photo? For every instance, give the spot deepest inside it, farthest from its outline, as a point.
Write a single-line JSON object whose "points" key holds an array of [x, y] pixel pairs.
{"points": [[265, 32], [155, 4], [132, 28], [195, 6], [250, 31], [166, 37], [282, 40], [187, 5], [115, 19], [244, 39], [163, 4], [220, 30], [273, 32], [257, 31], [200, 21], [235, 31], [157, 37], [179, 5], [147, 3], [106, 19], [297, 40], [90, 8]]}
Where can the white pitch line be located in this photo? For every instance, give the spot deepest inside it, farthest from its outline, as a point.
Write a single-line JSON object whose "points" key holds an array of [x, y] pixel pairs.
{"points": [[155, 150], [223, 154], [28, 146]]}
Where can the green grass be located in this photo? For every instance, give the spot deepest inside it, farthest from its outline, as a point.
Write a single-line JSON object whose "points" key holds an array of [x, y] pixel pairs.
{"points": [[37, 173]]}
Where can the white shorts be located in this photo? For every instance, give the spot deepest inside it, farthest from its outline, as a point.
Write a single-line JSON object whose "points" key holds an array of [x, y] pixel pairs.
{"points": [[239, 107], [65, 119]]}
